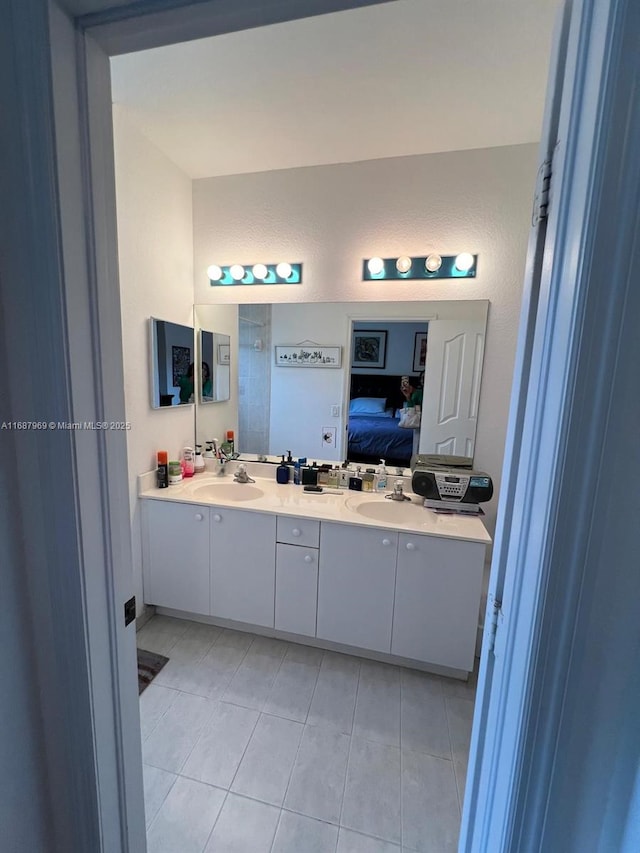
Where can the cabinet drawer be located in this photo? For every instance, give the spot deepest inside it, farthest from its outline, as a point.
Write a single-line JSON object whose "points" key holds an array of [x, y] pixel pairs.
{"points": [[298, 531]]}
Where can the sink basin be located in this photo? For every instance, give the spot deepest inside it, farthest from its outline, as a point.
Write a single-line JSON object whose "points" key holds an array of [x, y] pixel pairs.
{"points": [[386, 510], [228, 492]]}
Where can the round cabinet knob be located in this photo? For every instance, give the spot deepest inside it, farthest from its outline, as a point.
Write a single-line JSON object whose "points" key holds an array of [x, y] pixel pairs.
{"points": [[308, 559], [199, 516], [296, 531], [217, 517], [411, 546], [386, 541]]}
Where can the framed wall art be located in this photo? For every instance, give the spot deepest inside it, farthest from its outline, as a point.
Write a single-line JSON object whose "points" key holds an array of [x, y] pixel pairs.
{"points": [[369, 348], [419, 352], [308, 355]]}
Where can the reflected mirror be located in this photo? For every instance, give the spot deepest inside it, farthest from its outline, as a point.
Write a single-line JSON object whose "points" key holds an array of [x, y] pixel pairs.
{"points": [[172, 364], [354, 411], [215, 367]]}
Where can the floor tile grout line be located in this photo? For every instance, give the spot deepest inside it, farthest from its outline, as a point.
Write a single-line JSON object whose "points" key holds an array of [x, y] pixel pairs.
{"points": [[177, 776], [346, 774], [244, 751], [315, 687], [215, 823]]}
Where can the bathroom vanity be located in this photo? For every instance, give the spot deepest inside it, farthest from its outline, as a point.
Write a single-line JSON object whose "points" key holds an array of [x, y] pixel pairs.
{"points": [[349, 571]]}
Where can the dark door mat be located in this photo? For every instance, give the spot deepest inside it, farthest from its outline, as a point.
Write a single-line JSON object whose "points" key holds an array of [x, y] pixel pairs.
{"points": [[149, 665]]}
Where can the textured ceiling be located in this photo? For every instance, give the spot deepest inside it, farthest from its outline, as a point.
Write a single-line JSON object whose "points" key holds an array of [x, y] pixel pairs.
{"points": [[401, 78]]}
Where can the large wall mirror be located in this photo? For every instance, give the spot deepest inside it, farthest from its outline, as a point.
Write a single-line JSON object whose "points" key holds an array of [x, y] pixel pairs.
{"points": [[172, 364], [292, 393]]}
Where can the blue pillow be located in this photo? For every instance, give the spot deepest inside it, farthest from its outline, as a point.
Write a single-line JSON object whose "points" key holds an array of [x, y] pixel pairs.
{"points": [[368, 406]]}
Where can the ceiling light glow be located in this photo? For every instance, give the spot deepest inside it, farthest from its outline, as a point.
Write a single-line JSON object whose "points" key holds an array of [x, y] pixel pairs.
{"points": [[464, 261], [403, 264], [237, 272], [433, 263], [284, 270], [375, 266], [260, 271], [214, 272]]}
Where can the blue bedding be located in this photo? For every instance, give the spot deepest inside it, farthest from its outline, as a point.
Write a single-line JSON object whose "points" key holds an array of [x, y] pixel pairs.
{"points": [[379, 436]]}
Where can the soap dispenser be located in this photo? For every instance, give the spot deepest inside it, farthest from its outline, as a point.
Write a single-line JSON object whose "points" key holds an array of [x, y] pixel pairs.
{"points": [[282, 472], [198, 462]]}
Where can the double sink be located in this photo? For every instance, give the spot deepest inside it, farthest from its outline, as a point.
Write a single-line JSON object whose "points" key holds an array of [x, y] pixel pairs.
{"points": [[374, 507]]}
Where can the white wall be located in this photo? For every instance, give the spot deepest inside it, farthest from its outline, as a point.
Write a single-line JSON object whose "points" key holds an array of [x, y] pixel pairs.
{"points": [[331, 217], [155, 245]]}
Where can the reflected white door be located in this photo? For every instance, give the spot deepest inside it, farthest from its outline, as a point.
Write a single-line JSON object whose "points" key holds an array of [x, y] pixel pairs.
{"points": [[453, 370]]}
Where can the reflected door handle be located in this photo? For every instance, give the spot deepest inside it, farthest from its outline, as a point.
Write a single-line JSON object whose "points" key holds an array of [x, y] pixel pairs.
{"points": [[411, 546], [217, 517], [386, 541], [308, 559], [296, 531], [199, 516]]}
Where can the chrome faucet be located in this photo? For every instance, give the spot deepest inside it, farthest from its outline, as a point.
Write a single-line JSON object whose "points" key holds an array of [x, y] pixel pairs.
{"points": [[398, 494], [241, 475]]}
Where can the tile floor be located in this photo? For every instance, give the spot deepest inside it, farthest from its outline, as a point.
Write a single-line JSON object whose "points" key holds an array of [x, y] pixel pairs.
{"points": [[255, 745]]}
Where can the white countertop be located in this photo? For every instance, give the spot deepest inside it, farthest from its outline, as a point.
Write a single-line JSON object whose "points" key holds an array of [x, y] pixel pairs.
{"points": [[347, 507]]}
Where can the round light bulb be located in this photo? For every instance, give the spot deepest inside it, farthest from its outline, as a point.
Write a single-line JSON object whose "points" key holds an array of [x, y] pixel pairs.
{"points": [[260, 271], [464, 261], [433, 263], [237, 272], [284, 270], [375, 266], [403, 264], [214, 272]]}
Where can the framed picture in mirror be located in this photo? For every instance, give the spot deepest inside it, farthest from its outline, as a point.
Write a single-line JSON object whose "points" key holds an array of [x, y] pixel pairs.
{"points": [[419, 352], [369, 349]]}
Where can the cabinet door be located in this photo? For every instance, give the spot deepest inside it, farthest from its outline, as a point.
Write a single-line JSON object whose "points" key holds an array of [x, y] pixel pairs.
{"points": [[438, 588], [176, 564], [355, 585], [296, 589], [243, 566]]}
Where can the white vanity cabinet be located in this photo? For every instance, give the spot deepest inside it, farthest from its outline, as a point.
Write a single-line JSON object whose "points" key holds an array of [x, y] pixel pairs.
{"points": [[176, 558], [356, 585], [243, 565], [437, 599]]}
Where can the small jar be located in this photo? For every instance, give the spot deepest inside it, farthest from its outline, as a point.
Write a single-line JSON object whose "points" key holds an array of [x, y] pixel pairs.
{"points": [[175, 473]]}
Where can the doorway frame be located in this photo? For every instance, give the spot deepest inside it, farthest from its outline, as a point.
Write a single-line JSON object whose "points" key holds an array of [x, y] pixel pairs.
{"points": [[117, 32]]}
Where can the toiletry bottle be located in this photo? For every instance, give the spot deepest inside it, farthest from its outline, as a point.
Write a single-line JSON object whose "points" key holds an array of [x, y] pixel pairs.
{"points": [[282, 472], [297, 473], [230, 441], [198, 462], [175, 473], [355, 481], [381, 482], [163, 469], [367, 480], [189, 467]]}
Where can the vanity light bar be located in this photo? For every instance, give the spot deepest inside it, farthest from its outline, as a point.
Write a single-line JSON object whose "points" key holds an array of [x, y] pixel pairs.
{"points": [[281, 273], [463, 265]]}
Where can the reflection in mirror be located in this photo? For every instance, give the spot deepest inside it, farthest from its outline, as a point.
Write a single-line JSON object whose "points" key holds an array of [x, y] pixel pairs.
{"points": [[215, 367], [172, 364], [437, 345]]}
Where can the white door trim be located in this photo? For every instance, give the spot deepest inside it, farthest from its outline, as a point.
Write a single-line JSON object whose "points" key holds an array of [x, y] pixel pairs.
{"points": [[566, 655]]}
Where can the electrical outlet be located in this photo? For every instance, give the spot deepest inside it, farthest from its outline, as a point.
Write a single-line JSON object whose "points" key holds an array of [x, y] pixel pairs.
{"points": [[328, 436], [335, 411]]}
